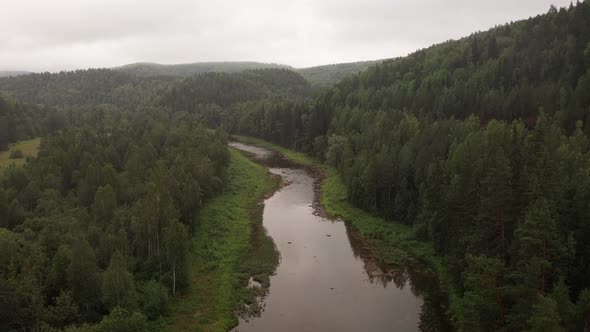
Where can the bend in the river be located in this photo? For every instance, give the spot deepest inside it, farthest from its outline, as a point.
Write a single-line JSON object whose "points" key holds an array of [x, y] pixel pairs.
{"points": [[328, 278]]}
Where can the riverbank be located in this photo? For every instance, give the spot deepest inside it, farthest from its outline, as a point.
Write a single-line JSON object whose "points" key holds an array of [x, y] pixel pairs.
{"points": [[229, 247], [394, 242]]}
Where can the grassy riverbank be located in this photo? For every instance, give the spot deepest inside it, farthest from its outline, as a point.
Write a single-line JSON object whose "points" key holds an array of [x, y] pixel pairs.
{"points": [[229, 246], [394, 242]]}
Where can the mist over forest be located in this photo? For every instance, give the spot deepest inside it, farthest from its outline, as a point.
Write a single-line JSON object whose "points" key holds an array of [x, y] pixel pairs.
{"points": [[463, 166]]}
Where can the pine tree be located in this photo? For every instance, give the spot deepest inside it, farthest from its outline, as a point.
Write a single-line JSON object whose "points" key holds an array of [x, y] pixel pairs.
{"points": [[64, 312], [538, 246], [118, 287], [176, 243], [583, 310], [565, 307], [83, 275], [105, 203], [494, 220], [483, 304], [544, 316]]}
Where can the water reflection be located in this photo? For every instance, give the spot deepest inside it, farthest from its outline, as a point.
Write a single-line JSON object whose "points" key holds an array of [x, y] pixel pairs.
{"points": [[329, 278]]}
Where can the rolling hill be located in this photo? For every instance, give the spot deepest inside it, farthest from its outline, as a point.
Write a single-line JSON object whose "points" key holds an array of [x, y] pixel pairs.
{"points": [[328, 75], [7, 73], [147, 69], [322, 76]]}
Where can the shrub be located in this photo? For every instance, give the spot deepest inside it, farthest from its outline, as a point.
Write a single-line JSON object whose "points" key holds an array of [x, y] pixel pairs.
{"points": [[16, 154]]}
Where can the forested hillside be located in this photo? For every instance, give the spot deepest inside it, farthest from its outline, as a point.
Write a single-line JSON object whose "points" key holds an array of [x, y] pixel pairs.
{"points": [[19, 121], [146, 69], [509, 72], [103, 216], [5, 73], [97, 229], [225, 89], [328, 75], [212, 94], [481, 145], [82, 87], [319, 76]]}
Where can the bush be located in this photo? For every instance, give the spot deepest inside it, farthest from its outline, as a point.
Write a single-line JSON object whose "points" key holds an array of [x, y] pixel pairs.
{"points": [[16, 154], [121, 320], [153, 299]]}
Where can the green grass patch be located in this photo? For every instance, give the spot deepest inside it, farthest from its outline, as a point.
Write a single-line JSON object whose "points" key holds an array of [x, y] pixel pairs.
{"points": [[28, 148], [230, 246]]}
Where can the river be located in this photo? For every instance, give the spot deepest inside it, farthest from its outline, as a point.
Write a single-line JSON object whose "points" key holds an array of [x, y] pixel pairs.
{"points": [[328, 278]]}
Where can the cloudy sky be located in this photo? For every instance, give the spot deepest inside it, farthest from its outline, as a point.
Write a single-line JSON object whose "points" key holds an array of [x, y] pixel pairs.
{"points": [[53, 35]]}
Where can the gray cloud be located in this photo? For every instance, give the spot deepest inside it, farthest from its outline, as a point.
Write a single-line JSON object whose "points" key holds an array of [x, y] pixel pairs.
{"points": [[56, 35]]}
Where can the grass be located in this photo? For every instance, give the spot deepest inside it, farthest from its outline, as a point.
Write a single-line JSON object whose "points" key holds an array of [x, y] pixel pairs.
{"points": [[230, 246], [29, 148], [395, 242]]}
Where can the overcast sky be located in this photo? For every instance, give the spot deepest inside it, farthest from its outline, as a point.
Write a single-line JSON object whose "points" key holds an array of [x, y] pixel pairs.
{"points": [[53, 35]]}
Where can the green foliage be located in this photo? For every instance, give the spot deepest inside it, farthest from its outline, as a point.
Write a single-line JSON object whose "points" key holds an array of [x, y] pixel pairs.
{"points": [[544, 316], [318, 76], [120, 320], [105, 204], [483, 304], [328, 75], [64, 312], [176, 239], [153, 299], [20, 121], [76, 88], [479, 145], [539, 246], [565, 307], [83, 276], [98, 210], [118, 287], [144, 69], [583, 309], [200, 93], [221, 261]]}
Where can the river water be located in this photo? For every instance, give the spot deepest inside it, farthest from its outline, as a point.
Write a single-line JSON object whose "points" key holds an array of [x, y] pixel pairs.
{"points": [[328, 278]]}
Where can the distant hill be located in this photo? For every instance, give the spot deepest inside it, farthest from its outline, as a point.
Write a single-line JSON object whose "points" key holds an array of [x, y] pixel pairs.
{"points": [[69, 88], [225, 89], [7, 73], [325, 75], [146, 69], [106, 86], [328, 75]]}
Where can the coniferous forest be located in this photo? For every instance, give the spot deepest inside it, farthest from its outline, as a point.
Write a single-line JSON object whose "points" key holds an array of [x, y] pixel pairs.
{"points": [[480, 146]]}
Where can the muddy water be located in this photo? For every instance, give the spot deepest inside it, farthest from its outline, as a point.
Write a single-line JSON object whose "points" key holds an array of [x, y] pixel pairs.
{"points": [[328, 278]]}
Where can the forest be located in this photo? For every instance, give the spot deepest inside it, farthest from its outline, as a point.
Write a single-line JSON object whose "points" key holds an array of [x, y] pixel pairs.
{"points": [[102, 218], [480, 145], [317, 76], [99, 225]]}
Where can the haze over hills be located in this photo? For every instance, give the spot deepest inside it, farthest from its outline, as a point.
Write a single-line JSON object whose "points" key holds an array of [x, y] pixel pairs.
{"points": [[468, 160], [7, 73], [147, 69], [327, 75], [324, 75]]}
